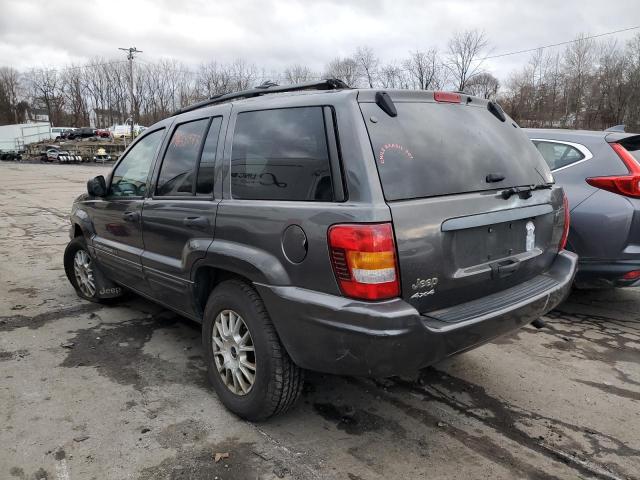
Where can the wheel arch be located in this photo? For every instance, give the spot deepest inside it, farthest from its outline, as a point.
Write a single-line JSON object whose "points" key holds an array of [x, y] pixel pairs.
{"points": [[82, 224], [225, 261]]}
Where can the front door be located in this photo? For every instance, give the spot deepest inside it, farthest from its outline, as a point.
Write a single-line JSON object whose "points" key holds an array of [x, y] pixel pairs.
{"points": [[117, 218], [179, 215]]}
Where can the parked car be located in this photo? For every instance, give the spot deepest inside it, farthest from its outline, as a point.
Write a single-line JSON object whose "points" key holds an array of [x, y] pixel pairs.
{"points": [[103, 133], [354, 232], [101, 156], [600, 172], [120, 131], [82, 133], [60, 133], [124, 131], [61, 156]]}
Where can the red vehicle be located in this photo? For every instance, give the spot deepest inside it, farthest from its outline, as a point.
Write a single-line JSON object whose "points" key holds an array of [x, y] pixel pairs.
{"points": [[103, 133]]}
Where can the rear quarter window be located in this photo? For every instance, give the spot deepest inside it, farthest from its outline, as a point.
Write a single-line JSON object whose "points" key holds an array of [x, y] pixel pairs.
{"points": [[558, 155], [281, 154]]}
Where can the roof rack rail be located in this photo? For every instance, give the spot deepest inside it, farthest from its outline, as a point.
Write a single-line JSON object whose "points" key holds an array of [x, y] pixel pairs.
{"points": [[265, 88]]}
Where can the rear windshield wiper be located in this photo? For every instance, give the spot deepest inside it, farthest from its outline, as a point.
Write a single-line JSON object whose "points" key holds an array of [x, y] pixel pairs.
{"points": [[524, 192]]}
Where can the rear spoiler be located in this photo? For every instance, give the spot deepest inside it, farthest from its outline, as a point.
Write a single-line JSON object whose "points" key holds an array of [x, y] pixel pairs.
{"points": [[621, 137]]}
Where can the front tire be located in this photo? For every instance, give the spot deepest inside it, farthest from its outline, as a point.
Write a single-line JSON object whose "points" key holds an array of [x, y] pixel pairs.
{"points": [[81, 271], [247, 365]]}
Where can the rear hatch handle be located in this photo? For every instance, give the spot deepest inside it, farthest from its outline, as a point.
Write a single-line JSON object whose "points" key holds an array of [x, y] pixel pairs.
{"points": [[504, 268]]}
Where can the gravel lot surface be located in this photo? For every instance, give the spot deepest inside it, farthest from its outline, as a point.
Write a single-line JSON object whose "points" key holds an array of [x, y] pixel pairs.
{"points": [[94, 392]]}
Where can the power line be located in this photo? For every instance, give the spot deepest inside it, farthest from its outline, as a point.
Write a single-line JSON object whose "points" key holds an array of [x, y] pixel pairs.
{"points": [[560, 43]]}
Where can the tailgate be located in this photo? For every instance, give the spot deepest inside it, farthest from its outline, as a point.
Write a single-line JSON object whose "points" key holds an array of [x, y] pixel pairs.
{"points": [[443, 168], [459, 248]]}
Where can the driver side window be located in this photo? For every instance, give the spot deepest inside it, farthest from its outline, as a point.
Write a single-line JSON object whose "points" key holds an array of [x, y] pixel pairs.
{"points": [[130, 176]]}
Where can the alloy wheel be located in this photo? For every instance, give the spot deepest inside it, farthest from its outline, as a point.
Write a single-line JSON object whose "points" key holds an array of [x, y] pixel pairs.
{"points": [[234, 352], [83, 271]]}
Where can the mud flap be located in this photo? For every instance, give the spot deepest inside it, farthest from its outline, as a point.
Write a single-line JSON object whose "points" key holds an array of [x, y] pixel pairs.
{"points": [[105, 288]]}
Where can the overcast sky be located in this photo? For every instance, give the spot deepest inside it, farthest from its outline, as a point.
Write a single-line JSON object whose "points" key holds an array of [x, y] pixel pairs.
{"points": [[277, 33]]}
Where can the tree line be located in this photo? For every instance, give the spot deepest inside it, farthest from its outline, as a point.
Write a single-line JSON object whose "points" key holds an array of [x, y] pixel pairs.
{"points": [[590, 84]]}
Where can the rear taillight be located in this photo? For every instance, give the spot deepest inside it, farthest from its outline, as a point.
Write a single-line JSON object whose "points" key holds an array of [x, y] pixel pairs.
{"points": [[567, 218], [364, 260], [632, 275], [446, 97], [627, 185]]}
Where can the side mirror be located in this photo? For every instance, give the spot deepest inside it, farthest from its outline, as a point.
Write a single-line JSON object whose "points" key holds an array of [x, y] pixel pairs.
{"points": [[97, 187]]}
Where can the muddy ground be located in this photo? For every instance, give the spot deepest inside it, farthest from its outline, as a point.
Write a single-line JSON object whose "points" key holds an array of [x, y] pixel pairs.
{"points": [[94, 392]]}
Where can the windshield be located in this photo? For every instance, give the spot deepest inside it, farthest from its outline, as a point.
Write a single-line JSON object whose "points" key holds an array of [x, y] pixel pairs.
{"points": [[434, 149]]}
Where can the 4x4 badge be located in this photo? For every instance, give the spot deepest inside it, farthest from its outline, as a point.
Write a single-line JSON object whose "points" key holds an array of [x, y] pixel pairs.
{"points": [[423, 294]]}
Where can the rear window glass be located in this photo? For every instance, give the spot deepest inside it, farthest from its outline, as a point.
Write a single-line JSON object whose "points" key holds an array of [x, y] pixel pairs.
{"points": [[281, 154], [434, 149]]}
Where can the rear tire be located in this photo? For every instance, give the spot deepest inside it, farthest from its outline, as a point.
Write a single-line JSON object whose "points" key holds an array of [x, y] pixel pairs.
{"points": [[275, 382]]}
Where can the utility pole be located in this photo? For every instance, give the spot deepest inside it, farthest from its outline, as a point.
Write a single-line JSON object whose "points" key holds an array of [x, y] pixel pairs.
{"points": [[131, 51]]}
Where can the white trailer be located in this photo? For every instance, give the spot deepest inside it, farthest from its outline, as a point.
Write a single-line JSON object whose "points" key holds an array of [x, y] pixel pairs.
{"points": [[14, 138]]}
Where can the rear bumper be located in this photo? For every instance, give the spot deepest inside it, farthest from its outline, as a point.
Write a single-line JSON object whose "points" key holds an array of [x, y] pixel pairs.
{"points": [[606, 274], [334, 334]]}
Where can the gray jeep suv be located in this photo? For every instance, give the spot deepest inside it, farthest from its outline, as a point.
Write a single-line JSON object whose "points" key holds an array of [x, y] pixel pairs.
{"points": [[355, 232]]}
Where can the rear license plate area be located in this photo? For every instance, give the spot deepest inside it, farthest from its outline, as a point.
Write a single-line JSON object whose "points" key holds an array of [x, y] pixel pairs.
{"points": [[477, 245]]}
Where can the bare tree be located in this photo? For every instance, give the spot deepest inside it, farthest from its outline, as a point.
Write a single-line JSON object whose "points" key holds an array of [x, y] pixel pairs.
{"points": [[464, 57], [591, 84], [632, 79], [10, 91], [298, 74], [73, 88], [213, 79], [345, 69], [424, 69], [393, 76], [483, 85], [578, 58], [243, 75], [44, 86], [611, 91], [368, 64]]}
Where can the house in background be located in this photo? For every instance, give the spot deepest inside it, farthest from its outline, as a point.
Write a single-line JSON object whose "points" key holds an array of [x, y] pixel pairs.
{"points": [[36, 115]]}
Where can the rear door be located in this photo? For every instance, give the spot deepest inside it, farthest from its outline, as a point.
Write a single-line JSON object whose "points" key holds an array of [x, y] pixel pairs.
{"points": [[444, 168], [179, 216], [117, 217]]}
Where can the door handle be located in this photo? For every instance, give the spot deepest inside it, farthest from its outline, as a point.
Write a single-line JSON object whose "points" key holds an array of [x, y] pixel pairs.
{"points": [[196, 222], [131, 216]]}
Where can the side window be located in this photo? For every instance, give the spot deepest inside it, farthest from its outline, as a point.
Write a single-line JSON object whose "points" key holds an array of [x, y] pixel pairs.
{"points": [[558, 155], [204, 180], [130, 176], [177, 173], [281, 154]]}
